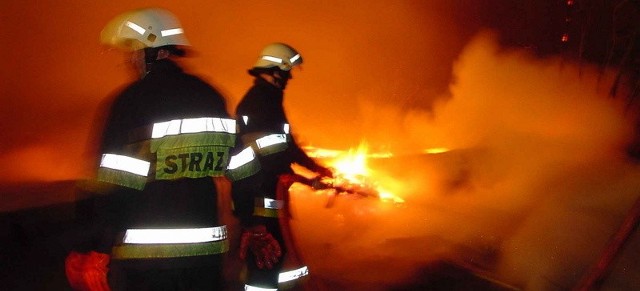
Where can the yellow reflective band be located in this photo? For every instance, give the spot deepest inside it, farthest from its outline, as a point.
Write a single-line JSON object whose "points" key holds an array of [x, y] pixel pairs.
{"points": [[173, 31], [272, 59], [273, 204], [135, 27], [253, 288], [175, 236], [264, 212], [294, 58], [121, 178], [293, 274], [193, 125], [245, 156], [138, 251], [270, 140], [124, 163]]}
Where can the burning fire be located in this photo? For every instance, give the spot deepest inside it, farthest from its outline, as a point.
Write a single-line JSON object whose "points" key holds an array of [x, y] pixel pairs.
{"points": [[436, 150], [352, 172]]}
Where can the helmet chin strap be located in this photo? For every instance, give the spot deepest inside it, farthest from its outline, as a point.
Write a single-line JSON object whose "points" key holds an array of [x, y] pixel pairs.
{"points": [[281, 82], [278, 79], [152, 55]]}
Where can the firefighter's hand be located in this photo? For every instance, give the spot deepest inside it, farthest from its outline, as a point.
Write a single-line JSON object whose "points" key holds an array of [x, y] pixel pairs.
{"points": [[87, 272], [319, 183], [264, 247], [324, 172]]}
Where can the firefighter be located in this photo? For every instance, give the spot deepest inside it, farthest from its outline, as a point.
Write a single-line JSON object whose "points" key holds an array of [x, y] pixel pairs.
{"points": [[166, 142], [264, 125]]}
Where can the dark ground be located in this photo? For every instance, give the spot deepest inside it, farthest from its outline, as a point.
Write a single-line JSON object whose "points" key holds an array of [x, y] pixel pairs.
{"points": [[35, 241]]}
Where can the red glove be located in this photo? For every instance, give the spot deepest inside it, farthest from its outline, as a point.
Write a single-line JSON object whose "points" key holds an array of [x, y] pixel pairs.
{"points": [[264, 247], [87, 272]]}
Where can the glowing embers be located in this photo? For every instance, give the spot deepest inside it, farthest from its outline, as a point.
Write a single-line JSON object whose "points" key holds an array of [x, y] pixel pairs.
{"points": [[352, 175], [436, 150], [352, 166]]}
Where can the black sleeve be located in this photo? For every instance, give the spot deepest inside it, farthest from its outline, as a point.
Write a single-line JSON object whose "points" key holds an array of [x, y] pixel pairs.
{"points": [[245, 189], [109, 203], [111, 213], [300, 157], [243, 194]]}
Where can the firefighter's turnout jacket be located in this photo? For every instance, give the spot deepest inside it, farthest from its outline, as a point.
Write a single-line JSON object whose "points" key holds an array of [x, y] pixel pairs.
{"points": [[263, 124], [165, 138]]}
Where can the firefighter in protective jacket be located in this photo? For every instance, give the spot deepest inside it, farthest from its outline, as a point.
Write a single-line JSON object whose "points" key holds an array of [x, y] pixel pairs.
{"points": [[167, 138], [264, 125]]}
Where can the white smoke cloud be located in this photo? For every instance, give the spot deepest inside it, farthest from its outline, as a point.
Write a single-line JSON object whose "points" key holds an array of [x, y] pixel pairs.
{"points": [[534, 185]]}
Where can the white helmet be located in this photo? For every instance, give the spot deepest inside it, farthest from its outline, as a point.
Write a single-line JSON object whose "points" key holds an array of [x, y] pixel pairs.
{"points": [[278, 55], [142, 28]]}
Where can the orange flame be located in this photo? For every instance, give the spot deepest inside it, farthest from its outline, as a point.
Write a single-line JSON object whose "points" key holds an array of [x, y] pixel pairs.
{"points": [[351, 168], [353, 164]]}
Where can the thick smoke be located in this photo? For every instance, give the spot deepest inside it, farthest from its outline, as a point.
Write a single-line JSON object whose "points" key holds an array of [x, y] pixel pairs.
{"points": [[535, 183]]}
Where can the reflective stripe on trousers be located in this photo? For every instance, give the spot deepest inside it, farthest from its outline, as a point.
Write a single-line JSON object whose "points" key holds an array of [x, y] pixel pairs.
{"points": [[287, 276], [253, 288], [267, 207], [283, 277]]}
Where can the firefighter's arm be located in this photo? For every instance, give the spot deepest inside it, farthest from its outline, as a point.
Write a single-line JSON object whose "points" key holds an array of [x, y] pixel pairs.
{"points": [[300, 157], [243, 193], [86, 266]]}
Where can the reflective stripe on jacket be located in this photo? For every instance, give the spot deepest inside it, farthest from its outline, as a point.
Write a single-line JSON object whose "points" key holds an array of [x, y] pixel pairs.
{"points": [[123, 170], [171, 243]]}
